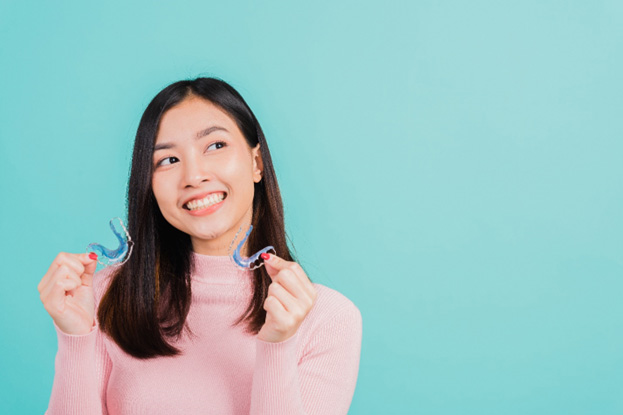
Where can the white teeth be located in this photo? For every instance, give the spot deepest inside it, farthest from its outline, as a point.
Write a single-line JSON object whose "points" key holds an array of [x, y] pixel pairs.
{"points": [[205, 202]]}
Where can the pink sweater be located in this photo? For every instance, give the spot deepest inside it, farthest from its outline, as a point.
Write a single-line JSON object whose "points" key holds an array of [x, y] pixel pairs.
{"points": [[222, 371]]}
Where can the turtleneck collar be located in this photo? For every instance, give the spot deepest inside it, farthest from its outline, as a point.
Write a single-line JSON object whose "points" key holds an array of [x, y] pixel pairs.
{"points": [[216, 269]]}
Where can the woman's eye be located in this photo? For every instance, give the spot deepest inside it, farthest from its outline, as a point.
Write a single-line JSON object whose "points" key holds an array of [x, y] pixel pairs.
{"points": [[166, 158], [223, 144]]}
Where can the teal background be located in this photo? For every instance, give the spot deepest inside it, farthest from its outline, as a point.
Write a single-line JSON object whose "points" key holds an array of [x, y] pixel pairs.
{"points": [[453, 167]]}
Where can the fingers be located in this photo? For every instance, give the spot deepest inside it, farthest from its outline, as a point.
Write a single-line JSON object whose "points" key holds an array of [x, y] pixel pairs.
{"points": [[290, 282], [307, 284], [292, 276], [276, 312], [65, 258], [75, 264], [276, 263], [89, 269], [291, 296], [66, 291], [288, 301], [54, 300], [62, 275]]}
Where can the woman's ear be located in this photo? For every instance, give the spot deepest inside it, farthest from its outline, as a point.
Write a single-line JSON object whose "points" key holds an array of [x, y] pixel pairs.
{"points": [[258, 165]]}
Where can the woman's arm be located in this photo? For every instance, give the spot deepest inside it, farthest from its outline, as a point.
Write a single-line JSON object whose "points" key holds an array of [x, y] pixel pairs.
{"points": [[322, 383], [82, 369], [82, 366]]}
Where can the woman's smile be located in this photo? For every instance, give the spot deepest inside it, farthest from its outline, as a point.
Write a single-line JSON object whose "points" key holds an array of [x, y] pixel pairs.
{"points": [[206, 206], [204, 200]]}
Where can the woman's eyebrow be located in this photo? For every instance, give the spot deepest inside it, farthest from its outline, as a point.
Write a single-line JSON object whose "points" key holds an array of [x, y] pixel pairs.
{"points": [[199, 135]]}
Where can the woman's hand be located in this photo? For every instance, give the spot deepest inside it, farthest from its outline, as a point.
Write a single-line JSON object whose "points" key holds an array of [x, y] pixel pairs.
{"points": [[291, 296], [66, 292]]}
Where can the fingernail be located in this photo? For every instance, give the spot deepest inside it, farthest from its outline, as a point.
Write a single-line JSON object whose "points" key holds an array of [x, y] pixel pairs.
{"points": [[93, 255], [265, 256]]}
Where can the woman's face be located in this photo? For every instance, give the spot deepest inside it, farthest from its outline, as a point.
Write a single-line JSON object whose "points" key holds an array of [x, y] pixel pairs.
{"points": [[199, 150]]}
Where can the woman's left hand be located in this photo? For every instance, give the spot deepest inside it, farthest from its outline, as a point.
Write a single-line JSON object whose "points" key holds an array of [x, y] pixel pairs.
{"points": [[291, 296]]}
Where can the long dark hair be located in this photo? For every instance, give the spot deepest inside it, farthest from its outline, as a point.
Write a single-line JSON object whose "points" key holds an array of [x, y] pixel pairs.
{"points": [[149, 296]]}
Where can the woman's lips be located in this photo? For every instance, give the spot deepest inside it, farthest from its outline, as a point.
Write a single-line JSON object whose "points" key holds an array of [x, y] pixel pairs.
{"points": [[202, 196], [208, 210]]}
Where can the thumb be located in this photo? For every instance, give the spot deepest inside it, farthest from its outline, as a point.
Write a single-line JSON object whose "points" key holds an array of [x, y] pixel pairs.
{"points": [[90, 265], [274, 264]]}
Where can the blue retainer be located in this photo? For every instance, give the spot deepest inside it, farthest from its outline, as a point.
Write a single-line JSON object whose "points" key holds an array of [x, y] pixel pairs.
{"points": [[254, 260], [117, 256]]}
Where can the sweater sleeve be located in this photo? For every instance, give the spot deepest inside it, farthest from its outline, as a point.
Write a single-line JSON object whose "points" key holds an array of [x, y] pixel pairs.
{"points": [[82, 368], [322, 382]]}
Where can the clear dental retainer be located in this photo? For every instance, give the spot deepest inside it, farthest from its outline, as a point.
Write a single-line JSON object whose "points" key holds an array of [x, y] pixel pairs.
{"points": [[119, 256], [252, 262]]}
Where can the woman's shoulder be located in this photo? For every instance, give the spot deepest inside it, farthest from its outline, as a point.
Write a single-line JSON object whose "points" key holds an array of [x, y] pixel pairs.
{"points": [[331, 303], [334, 319]]}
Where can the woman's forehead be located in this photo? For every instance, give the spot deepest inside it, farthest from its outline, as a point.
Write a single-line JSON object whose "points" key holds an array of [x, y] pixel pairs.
{"points": [[196, 110], [196, 118]]}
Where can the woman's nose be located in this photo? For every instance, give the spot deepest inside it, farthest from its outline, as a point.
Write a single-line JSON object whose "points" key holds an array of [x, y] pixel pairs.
{"points": [[195, 171]]}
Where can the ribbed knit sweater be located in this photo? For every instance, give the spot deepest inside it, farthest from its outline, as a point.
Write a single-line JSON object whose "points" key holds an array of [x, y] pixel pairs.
{"points": [[223, 370]]}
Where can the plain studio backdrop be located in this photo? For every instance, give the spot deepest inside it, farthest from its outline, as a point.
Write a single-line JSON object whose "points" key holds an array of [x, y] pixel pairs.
{"points": [[455, 168]]}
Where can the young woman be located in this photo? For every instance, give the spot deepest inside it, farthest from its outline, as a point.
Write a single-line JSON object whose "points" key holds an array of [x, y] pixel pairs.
{"points": [[179, 328]]}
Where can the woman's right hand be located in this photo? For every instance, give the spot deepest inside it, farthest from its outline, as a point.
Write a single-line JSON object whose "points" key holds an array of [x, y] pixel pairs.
{"points": [[66, 292]]}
